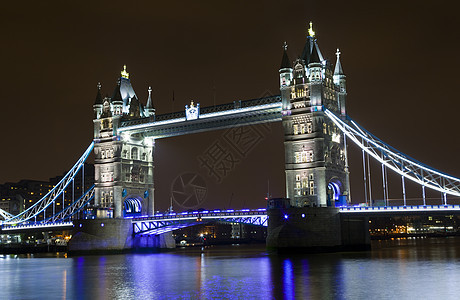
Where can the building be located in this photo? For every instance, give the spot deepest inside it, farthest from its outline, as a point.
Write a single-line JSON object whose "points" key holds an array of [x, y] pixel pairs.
{"points": [[315, 151], [16, 197], [123, 166]]}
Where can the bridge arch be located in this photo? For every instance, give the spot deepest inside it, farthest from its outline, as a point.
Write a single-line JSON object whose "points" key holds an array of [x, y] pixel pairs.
{"points": [[334, 191], [132, 206]]}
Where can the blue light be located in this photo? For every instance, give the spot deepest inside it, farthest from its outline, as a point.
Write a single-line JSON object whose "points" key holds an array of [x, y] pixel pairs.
{"points": [[81, 225], [286, 216], [102, 224]]}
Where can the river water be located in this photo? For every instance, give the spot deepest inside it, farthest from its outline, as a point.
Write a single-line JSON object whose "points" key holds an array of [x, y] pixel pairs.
{"points": [[394, 269]]}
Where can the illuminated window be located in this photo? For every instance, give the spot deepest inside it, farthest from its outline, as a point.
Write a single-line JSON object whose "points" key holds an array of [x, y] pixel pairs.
{"points": [[297, 185], [309, 128], [297, 157], [312, 188], [305, 183], [302, 128], [304, 156], [324, 128], [296, 129], [103, 154]]}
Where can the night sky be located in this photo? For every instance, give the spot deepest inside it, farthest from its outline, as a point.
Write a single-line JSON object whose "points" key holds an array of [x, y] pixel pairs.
{"points": [[401, 60]]}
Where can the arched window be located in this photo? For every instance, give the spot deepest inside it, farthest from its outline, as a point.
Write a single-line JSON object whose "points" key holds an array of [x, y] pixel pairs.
{"points": [[134, 153]]}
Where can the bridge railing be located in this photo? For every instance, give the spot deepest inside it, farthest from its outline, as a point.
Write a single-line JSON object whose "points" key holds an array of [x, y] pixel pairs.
{"points": [[408, 208]]}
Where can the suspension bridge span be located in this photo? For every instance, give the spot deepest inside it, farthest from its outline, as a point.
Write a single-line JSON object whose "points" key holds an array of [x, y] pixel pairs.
{"points": [[317, 210]]}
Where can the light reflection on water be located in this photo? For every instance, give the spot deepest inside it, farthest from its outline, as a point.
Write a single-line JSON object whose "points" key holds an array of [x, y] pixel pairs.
{"points": [[399, 269]]}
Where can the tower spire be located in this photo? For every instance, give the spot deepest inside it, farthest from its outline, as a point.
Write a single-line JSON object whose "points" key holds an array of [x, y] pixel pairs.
{"points": [[149, 109], [310, 30], [98, 96], [124, 74], [285, 62], [338, 66], [98, 103]]}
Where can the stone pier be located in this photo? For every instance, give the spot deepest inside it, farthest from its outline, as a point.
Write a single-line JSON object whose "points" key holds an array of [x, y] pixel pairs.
{"points": [[113, 236], [314, 229]]}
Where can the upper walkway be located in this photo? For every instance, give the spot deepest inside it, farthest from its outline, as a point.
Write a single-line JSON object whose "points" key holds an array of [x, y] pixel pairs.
{"points": [[238, 113]]}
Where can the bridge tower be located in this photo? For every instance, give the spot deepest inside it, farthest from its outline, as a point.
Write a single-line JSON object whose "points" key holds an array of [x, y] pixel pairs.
{"points": [[315, 153], [123, 164]]}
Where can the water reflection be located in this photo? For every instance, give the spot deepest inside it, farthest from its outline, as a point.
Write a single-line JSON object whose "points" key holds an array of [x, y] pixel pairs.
{"points": [[425, 268]]}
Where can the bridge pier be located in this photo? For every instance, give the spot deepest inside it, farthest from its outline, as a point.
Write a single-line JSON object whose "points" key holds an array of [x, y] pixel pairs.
{"points": [[314, 229], [113, 236]]}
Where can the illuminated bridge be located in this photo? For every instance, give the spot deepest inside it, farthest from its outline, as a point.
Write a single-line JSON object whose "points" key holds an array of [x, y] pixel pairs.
{"points": [[267, 110], [162, 223], [317, 131]]}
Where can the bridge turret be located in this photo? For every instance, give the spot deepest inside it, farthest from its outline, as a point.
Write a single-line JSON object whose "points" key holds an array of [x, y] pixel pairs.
{"points": [[136, 109], [316, 173], [149, 109], [340, 82], [123, 161], [315, 76], [98, 103], [117, 100], [285, 78], [126, 90]]}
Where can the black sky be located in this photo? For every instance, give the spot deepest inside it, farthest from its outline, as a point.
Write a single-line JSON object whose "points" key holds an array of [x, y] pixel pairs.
{"points": [[401, 60]]}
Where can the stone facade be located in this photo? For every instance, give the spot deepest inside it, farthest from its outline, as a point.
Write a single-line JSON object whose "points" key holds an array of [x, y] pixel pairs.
{"points": [[315, 153], [123, 163]]}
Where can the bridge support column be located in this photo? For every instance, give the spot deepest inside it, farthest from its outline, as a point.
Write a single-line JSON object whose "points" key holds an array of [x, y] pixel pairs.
{"points": [[313, 229], [113, 236], [118, 202], [101, 236], [151, 204], [149, 242]]}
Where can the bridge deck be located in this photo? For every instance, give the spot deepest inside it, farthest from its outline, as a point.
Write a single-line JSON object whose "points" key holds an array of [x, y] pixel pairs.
{"points": [[161, 223]]}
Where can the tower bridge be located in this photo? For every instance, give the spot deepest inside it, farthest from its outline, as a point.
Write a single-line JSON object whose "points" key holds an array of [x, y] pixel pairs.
{"points": [[312, 109]]}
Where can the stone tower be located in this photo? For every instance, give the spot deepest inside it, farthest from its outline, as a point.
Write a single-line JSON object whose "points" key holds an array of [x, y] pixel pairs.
{"points": [[315, 153], [123, 163]]}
